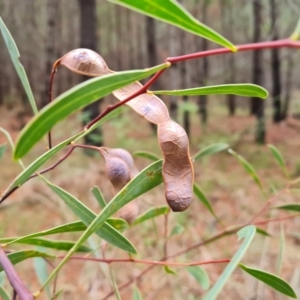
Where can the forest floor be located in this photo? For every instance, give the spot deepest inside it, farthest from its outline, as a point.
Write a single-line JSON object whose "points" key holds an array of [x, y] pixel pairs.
{"points": [[232, 192]]}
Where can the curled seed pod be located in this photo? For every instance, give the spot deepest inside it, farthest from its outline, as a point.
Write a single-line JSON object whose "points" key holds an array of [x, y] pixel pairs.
{"points": [[177, 171], [120, 169]]}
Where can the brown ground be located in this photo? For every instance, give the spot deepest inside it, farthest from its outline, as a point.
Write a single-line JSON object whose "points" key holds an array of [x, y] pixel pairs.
{"points": [[232, 192]]}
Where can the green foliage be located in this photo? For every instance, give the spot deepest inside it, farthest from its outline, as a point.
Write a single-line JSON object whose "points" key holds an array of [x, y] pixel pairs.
{"points": [[168, 270], [247, 233], [177, 229], [151, 213], [211, 149], [136, 294], [290, 207], [15, 57], [246, 90], [2, 150], [173, 13], [200, 275], [73, 100], [3, 294], [279, 158], [99, 197], [146, 154], [272, 280]]}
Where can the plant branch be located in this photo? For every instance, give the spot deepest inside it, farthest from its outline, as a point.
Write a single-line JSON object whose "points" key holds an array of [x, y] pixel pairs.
{"points": [[284, 43]]}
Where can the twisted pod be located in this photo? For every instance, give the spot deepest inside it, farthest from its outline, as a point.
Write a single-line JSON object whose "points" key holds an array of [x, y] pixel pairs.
{"points": [[177, 170]]}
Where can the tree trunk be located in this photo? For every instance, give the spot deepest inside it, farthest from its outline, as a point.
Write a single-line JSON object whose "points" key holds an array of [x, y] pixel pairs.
{"points": [[275, 66], [288, 87], [257, 104], [88, 39]]}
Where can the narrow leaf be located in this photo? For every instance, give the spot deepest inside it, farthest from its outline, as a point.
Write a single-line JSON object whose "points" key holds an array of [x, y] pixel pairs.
{"points": [[151, 213], [2, 150], [54, 244], [15, 57], [246, 90], [177, 229], [296, 34], [3, 294], [281, 249], [107, 232], [200, 196], [99, 197], [248, 167], [172, 12], [211, 149], [279, 158], [290, 206], [19, 256], [41, 270], [118, 224], [200, 275], [136, 294], [262, 231], [168, 270], [73, 100], [272, 280], [40, 161], [247, 233], [147, 154]]}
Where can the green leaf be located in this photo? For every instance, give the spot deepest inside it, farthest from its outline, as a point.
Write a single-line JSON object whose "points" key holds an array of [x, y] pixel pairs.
{"points": [[72, 101], [151, 213], [147, 154], [211, 149], [118, 224], [15, 57], [19, 256], [3, 294], [272, 280], [177, 229], [40, 161], [200, 196], [296, 34], [136, 294], [41, 270], [281, 250], [290, 206], [279, 158], [2, 150], [172, 12], [169, 270], [99, 197], [248, 167], [54, 244], [262, 231], [200, 275], [246, 90], [247, 233], [107, 232]]}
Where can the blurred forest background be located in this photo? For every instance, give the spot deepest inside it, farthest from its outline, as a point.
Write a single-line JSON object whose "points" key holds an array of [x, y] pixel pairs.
{"points": [[45, 30], [127, 40]]}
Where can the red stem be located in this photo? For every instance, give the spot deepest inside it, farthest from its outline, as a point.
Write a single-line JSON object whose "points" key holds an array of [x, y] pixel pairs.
{"points": [[253, 46]]}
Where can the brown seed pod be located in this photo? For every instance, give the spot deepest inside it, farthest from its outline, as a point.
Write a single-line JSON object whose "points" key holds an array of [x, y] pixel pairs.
{"points": [[177, 171], [120, 169]]}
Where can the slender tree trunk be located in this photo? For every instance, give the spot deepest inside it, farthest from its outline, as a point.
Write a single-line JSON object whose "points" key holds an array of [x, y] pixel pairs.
{"points": [[88, 39], [275, 69], [257, 104]]}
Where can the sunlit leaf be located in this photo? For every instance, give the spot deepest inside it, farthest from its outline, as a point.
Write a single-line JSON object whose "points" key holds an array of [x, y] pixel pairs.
{"points": [[40, 161], [172, 12], [279, 158], [99, 197], [19, 256], [73, 100], [169, 270], [262, 231], [2, 150], [151, 213], [296, 34], [177, 229], [136, 294], [3, 294], [107, 232], [210, 149], [147, 154], [15, 57], [247, 233], [289, 207], [118, 224], [248, 167], [246, 90], [200, 196], [272, 280], [200, 275]]}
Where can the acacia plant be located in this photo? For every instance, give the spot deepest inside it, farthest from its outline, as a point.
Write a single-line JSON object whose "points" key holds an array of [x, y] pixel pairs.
{"points": [[175, 170]]}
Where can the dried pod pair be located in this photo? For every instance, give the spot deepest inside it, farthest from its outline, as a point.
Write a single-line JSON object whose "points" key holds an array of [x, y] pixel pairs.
{"points": [[177, 171]]}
